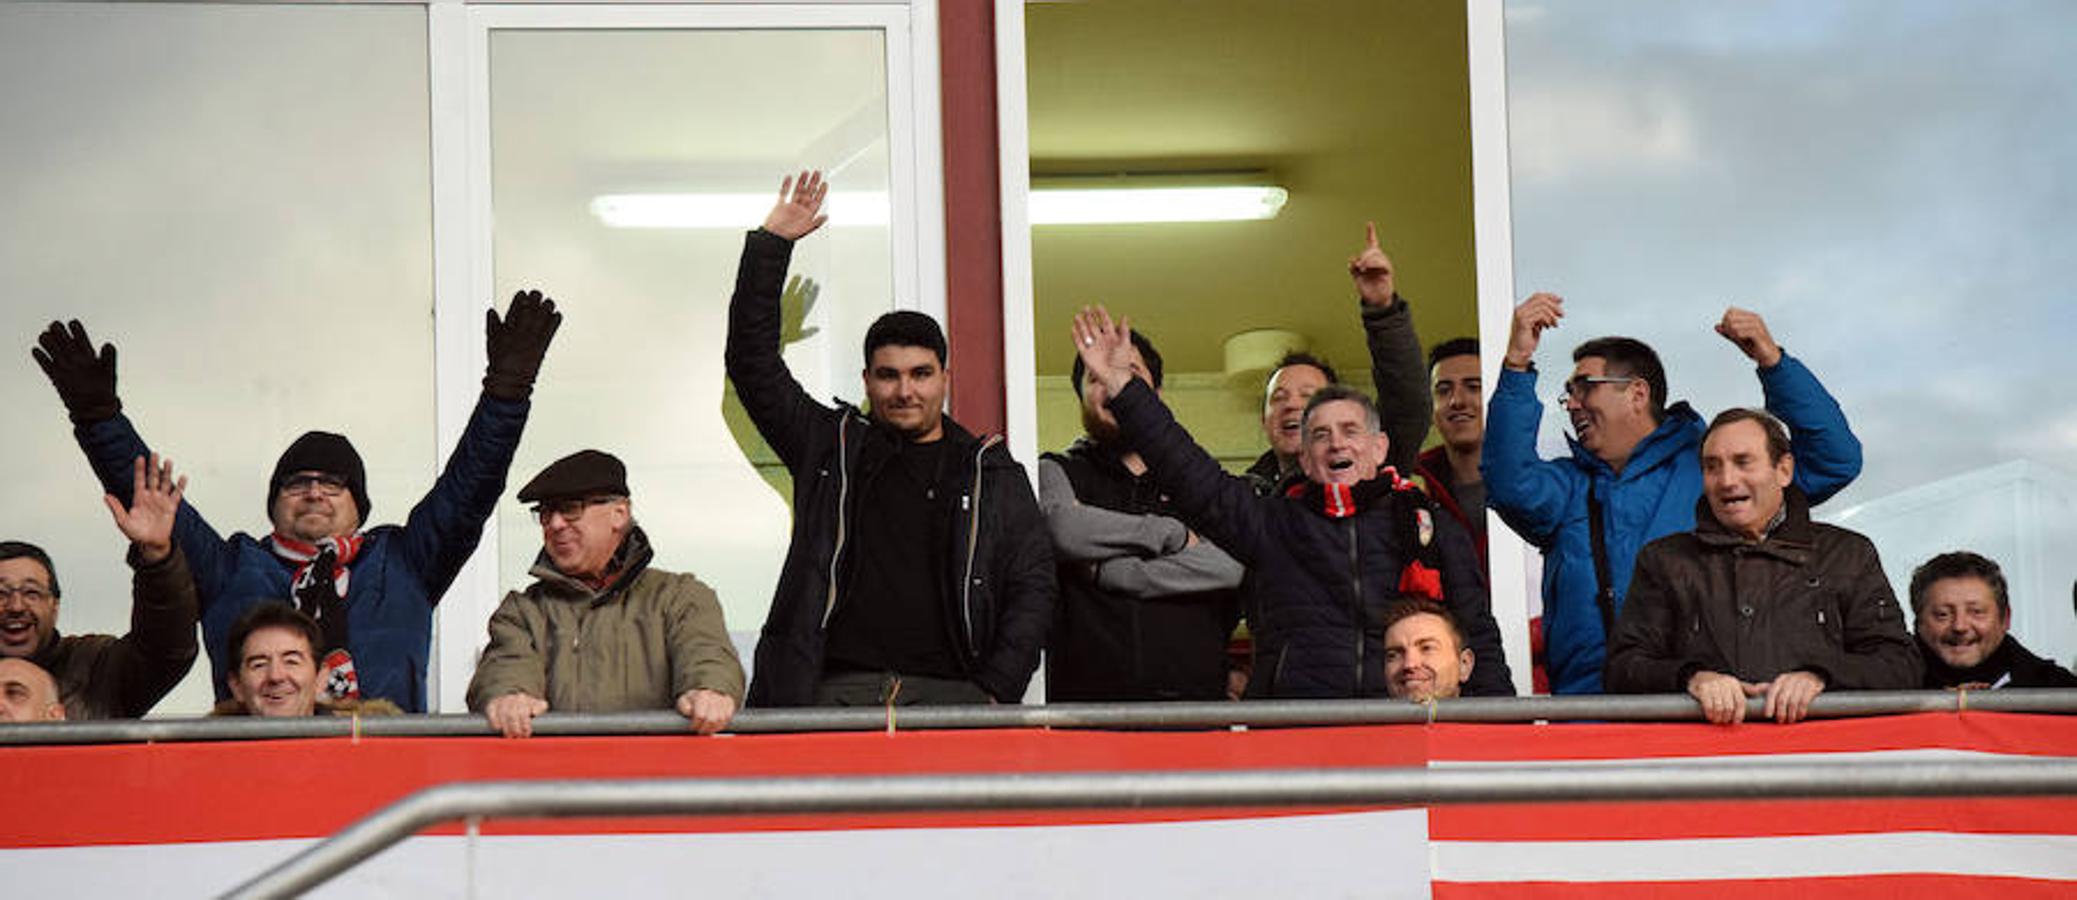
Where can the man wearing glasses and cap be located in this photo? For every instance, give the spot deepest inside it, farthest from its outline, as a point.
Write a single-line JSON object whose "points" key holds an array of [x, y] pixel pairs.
{"points": [[1634, 474], [599, 630], [371, 590]]}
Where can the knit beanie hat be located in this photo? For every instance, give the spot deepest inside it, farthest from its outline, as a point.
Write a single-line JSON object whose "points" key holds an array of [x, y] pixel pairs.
{"points": [[321, 451]]}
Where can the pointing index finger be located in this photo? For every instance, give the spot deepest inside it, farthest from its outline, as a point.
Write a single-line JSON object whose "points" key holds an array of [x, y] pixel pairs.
{"points": [[1370, 236]]}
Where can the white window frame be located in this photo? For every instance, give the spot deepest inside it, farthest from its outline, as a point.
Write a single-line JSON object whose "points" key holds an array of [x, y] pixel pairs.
{"points": [[1508, 557], [458, 72]]}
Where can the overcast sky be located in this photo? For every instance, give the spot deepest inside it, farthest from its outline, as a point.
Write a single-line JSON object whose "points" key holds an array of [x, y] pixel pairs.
{"points": [[1887, 182]]}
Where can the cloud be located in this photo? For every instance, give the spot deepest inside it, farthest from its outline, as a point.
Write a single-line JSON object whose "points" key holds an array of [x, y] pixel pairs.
{"points": [[1582, 130]]}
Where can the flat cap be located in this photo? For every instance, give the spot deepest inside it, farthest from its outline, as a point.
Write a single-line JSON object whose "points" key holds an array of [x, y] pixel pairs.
{"points": [[583, 474]]}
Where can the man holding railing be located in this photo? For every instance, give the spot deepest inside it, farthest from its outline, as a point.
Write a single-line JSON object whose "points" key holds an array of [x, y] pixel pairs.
{"points": [[1758, 600], [1632, 475], [600, 630]]}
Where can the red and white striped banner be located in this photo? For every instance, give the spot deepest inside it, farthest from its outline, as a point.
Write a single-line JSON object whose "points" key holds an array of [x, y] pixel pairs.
{"points": [[195, 819]]}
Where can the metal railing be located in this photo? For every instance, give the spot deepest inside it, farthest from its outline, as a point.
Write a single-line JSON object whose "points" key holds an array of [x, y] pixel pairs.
{"points": [[1153, 790], [1254, 713]]}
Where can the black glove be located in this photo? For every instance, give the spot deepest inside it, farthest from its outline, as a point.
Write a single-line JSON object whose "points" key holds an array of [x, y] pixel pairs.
{"points": [[85, 381], [517, 344]]}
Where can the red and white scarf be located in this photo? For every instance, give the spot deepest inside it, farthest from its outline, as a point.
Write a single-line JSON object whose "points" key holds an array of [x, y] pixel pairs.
{"points": [[344, 549], [337, 677]]}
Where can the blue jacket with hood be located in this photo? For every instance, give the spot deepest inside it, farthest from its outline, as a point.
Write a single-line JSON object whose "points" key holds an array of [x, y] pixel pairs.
{"points": [[1545, 501]]}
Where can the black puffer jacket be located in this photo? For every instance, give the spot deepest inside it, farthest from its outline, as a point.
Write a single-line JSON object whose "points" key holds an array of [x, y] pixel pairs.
{"points": [[1317, 586], [1809, 596], [999, 582]]}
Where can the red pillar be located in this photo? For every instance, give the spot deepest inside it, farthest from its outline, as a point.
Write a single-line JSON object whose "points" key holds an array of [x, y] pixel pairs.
{"points": [[973, 213]]}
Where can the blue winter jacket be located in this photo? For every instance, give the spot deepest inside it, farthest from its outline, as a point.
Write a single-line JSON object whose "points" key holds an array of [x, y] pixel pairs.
{"points": [[1545, 501], [399, 575]]}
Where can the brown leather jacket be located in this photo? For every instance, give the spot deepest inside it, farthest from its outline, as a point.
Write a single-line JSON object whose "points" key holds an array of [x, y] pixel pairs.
{"points": [[102, 676], [1808, 596]]}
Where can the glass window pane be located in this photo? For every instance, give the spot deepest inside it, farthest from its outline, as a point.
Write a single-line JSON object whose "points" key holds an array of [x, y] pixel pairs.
{"points": [[580, 115], [1887, 183], [235, 196]]}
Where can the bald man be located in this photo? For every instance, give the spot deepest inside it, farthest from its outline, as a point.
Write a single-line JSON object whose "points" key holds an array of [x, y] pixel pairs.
{"points": [[28, 693]]}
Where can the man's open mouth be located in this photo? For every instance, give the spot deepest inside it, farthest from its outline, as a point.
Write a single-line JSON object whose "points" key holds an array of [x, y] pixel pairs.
{"points": [[15, 629], [1341, 464]]}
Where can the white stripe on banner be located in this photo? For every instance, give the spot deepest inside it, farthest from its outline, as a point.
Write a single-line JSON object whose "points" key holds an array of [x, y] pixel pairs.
{"points": [[1367, 854], [1927, 754], [2047, 857]]}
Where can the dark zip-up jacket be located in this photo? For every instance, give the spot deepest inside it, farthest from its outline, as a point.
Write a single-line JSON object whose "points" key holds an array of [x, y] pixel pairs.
{"points": [[1318, 587], [1109, 645], [1809, 596], [999, 579]]}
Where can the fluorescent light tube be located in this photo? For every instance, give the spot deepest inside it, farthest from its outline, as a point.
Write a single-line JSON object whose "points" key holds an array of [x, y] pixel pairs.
{"points": [[1123, 205], [735, 211]]}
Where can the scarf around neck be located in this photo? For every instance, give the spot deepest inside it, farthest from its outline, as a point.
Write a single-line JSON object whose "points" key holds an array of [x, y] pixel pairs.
{"points": [[319, 590]]}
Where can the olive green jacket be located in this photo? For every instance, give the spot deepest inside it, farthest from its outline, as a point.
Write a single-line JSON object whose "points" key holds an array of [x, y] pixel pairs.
{"points": [[638, 645]]}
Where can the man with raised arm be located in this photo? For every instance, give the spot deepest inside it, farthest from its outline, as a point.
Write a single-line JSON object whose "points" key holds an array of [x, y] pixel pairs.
{"points": [[102, 676], [1329, 555], [1395, 371], [371, 590], [919, 569], [1634, 473], [1146, 606], [1758, 600]]}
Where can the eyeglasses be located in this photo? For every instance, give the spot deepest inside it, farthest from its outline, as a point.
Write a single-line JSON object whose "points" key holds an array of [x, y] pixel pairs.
{"points": [[1579, 385], [570, 510], [29, 593], [322, 485]]}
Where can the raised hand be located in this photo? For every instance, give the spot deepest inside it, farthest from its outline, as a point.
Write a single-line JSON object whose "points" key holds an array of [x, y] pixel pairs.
{"points": [[154, 505], [1371, 269], [1746, 329], [1525, 332], [799, 210], [1105, 346], [708, 710], [85, 380], [516, 344], [794, 306]]}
